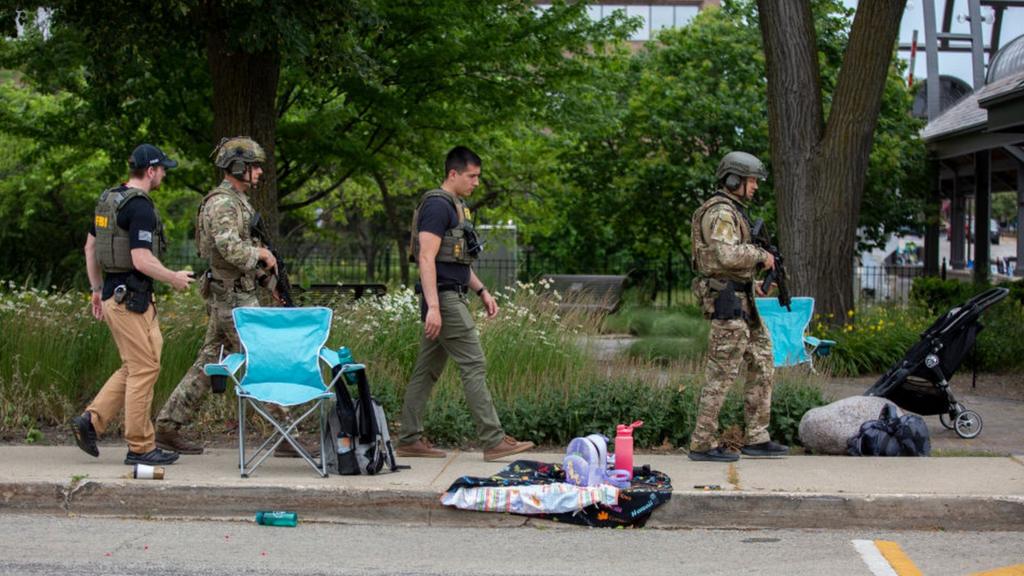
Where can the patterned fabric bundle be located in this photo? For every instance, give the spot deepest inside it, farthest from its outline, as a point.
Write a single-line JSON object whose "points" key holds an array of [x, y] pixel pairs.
{"points": [[539, 490]]}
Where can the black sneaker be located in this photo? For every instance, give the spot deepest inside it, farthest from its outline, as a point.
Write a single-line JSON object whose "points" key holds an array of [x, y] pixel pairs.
{"points": [[155, 457], [767, 449], [85, 434], [714, 455]]}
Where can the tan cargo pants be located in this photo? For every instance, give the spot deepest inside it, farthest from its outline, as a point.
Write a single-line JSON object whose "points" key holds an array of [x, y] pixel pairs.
{"points": [[139, 343]]}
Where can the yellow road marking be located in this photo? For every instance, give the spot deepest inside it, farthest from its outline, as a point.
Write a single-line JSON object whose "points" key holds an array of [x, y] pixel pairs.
{"points": [[1015, 570], [900, 562]]}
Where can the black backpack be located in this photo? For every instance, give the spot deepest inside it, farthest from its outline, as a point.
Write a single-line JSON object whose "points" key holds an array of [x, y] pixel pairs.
{"points": [[362, 424], [891, 435]]}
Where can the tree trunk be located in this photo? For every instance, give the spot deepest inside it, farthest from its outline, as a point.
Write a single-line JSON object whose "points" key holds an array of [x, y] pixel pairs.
{"points": [[244, 103], [394, 225], [820, 168], [364, 230]]}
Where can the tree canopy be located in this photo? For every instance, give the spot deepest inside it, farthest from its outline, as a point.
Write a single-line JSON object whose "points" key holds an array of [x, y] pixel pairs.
{"points": [[598, 152]]}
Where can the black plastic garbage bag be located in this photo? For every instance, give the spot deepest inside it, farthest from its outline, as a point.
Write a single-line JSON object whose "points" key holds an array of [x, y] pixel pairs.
{"points": [[891, 435]]}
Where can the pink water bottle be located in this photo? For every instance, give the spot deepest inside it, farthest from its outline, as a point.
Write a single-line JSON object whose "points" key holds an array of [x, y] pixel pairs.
{"points": [[624, 446]]}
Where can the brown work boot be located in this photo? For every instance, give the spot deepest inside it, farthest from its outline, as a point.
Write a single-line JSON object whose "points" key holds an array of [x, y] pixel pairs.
{"points": [[507, 447], [419, 449], [286, 450], [172, 440]]}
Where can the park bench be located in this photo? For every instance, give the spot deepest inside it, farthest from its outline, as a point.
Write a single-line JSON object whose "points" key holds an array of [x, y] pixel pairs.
{"points": [[587, 292], [324, 294]]}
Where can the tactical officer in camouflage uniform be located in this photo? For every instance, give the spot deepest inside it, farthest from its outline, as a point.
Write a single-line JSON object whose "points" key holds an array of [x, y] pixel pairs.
{"points": [[122, 258], [238, 264], [444, 246], [727, 262]]}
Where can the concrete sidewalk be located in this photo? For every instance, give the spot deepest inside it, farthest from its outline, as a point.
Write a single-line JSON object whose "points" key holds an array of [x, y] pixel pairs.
{"points": [[970, 493]]}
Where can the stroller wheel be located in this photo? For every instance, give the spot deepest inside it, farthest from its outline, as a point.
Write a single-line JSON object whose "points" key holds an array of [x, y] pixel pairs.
{"points": [[947, 420], [968, 424]]}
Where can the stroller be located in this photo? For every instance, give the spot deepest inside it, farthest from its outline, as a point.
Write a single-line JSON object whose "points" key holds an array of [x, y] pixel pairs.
{"points": [[920, 381]]}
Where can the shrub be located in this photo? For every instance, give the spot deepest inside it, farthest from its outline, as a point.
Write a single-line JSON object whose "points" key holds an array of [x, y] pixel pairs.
{"points": [[939, 295], [877, 337]]}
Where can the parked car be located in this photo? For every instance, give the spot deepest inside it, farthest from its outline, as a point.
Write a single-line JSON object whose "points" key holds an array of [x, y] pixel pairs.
{"points": [[993, 232]]}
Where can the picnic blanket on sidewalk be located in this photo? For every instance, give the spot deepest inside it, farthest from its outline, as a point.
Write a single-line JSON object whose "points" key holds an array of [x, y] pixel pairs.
{"points": [[539, 490]]}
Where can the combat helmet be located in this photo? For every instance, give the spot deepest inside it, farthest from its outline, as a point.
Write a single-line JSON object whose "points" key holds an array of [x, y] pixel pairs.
{"points": [[740, 164], [235, 154]]}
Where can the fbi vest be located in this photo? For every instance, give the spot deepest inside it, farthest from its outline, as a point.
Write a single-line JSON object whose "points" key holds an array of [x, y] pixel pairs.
{"points": [[113, 250]]}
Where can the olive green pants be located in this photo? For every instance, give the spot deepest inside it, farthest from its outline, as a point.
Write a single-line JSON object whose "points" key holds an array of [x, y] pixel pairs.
{"points": [[459, 339]]}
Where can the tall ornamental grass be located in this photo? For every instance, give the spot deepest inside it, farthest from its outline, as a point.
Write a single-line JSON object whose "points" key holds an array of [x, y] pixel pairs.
{"points": [[546, 385]]}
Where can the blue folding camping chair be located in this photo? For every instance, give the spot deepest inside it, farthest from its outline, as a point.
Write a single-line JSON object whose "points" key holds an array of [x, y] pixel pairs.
{"points": [[787, 330], [283, 348]]}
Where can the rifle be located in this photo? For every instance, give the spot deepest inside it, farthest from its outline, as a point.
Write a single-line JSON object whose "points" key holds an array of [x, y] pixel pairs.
{"points": [[777, 274], [284, 286]]}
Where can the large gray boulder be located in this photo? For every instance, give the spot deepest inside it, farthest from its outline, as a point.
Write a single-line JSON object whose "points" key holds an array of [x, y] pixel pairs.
{"points": [[826, 429]]}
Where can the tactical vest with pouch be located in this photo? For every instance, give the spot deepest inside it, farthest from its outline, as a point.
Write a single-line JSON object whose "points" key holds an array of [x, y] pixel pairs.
{"points": [[223, 275], [113, 247], [723, 295], [459, 245]]}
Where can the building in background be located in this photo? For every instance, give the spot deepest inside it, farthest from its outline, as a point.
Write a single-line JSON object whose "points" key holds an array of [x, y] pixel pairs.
{"points": [[656, 15]]}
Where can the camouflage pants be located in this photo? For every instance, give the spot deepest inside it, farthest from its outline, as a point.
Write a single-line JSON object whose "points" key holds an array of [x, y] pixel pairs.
{"points": [[731, 344], [220, 331]]}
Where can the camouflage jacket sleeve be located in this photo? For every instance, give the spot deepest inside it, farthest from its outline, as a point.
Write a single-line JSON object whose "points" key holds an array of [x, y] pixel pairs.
{"points": [[225, 221], [721, 227]]}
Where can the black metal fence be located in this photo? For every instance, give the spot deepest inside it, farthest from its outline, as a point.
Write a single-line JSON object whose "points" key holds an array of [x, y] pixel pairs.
{"points": [[661, 282], [308, 267], [884, 283]]}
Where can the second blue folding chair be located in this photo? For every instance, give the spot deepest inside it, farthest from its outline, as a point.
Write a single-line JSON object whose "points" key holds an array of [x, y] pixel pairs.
{"points": [[787, 329]]}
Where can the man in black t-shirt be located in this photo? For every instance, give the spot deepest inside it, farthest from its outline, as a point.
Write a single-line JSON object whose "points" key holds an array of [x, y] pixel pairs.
{"points": [[122, 258], [444, 246]]}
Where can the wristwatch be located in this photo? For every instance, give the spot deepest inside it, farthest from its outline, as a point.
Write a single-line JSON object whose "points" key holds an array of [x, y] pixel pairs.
{"points": [[481, 290], [97, 288]]}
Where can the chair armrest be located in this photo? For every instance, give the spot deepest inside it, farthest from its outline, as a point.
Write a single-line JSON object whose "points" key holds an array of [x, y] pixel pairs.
{"points": [[329, 356], [333, 360], [226, 367], [819, 346]]}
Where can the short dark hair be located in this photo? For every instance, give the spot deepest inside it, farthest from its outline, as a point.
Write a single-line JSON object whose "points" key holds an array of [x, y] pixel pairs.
{"points": [[460, 158], [139, 172]]}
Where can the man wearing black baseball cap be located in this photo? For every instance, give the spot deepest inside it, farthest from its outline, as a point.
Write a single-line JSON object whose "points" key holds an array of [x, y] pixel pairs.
{"points": [[122, 258], [146, 155]]}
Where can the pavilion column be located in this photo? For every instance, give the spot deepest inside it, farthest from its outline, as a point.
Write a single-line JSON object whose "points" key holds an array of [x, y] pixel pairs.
{"points": [[982, 215], [957, 210], [933, 213], [1019, 270]]}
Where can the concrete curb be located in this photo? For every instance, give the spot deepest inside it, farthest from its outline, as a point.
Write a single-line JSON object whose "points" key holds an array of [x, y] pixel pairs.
{"points": [[686, 510]]}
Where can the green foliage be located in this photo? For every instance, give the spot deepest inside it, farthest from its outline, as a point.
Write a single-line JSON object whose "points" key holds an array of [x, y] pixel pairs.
{"points": [[940, 295], [664, 349], [871, 340], [1004, 206], [645, 321], [877, 337], [669, 415], [371, 95]]}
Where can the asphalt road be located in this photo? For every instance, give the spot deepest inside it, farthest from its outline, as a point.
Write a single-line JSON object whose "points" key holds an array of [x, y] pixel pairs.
{"points": [[36, 544]]}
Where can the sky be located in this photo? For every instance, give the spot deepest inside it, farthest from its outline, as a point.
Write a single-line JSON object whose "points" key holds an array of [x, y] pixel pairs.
{"points": [[952, 63]]}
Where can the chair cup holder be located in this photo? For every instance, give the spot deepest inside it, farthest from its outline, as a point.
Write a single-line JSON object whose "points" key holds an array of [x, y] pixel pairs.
{"points": [[219, 384]]}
